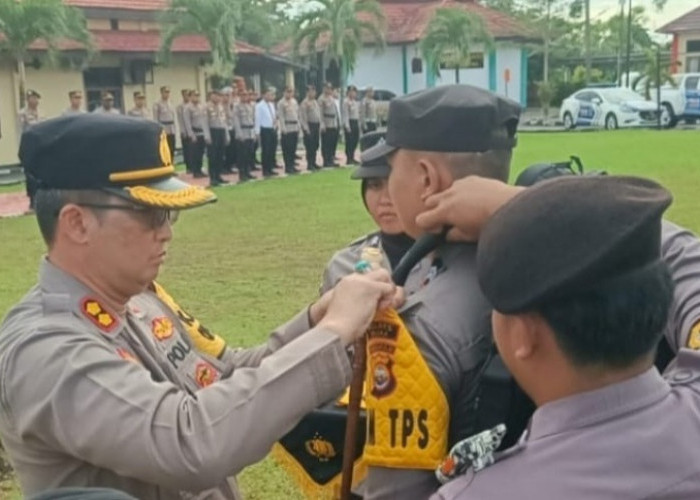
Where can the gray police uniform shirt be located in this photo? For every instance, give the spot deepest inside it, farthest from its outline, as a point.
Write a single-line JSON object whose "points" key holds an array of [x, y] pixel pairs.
{"points": [[196, 122], [139, 408], [632, 440], [368, 112], [244, 121], [351, 111], [329, 112], [29, 117], [343, 263], [164, 113], [216, 119], [180, 114], [309, 112], [102, 111], [71, 111], [140, 113], [450, 320], [288, 113]]}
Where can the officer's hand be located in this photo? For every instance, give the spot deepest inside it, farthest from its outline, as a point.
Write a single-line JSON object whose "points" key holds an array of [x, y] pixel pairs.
{"points": [[467, 205], [351, 305]]}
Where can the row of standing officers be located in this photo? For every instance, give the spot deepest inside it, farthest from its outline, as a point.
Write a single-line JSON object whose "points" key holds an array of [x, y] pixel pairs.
{"points": [[231, 126]]}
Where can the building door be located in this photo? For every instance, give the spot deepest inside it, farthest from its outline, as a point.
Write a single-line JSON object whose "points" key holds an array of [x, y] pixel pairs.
{"points": [[98, 80]]}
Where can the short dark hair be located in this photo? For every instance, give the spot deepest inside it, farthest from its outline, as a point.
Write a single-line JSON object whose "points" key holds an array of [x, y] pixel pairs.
{"points": [[617, 323], [49, 202]]}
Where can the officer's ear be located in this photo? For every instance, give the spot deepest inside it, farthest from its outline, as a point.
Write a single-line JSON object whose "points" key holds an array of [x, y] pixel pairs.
{"points": [[515, 335], [74, 224], [431, 175]]}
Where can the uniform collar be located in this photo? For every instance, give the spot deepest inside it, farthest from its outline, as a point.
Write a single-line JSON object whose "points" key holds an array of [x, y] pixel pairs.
{"points": [[593, 407]]}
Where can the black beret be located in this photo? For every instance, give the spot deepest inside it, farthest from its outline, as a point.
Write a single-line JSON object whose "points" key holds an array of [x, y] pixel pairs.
{"points": [[568, 235], [450, 119], [378, 168], [125, 156], [82, 494]]}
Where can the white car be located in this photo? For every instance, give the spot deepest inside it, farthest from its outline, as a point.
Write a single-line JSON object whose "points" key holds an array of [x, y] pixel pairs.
{"points": [[610, 108]]}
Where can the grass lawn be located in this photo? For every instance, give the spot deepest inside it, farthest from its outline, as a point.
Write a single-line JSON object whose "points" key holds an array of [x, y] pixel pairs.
{"points": [[249, 262]]}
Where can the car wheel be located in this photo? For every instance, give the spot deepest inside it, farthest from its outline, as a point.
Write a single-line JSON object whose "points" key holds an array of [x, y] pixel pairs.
{"points": [[569, 121], [610, 122], [668, 119]]}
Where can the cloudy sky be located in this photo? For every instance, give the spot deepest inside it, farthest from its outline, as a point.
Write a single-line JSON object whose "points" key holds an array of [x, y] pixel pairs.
{"points": [[674, 8]]}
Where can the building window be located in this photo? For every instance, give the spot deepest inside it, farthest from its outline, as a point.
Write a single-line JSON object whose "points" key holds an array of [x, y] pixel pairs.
{"points": [[416, 65], [114, 24], [692, 46], [692, 64]]}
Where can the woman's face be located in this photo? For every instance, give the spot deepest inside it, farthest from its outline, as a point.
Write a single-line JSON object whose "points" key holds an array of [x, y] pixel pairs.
{"points": [[380, 207]]}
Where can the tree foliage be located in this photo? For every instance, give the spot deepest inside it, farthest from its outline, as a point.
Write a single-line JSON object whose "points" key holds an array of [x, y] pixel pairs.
{"points": [[450, 38]]}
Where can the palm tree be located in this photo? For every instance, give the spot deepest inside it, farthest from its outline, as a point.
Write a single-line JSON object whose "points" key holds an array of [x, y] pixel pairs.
{"points": [[24, 23], [656, 73], [450, 37], [215, 20], [340, 27]]}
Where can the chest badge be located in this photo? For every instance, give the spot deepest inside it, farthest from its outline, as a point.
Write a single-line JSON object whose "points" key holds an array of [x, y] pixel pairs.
{"points": [[320, 448], [162, 328], [205, 374]]}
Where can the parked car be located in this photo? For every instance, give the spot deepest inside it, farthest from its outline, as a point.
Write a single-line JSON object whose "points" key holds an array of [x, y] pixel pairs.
{"points": [[680, 101], [610, 108], [382, 97]]}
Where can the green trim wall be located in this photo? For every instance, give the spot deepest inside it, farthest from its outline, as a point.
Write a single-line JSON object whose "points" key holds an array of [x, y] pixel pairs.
{"points": [[404, 67], [493, 84], [523, 77]]}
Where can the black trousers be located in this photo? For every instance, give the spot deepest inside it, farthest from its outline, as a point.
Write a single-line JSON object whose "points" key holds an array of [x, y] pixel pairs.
{"points": [[329, 143], [289, 149], [197, 148], [171, 144], [370, 127], [246, 157], [215, 153], [186, 152], [230, 160], [311, 145], [268, 146], [351, 140]]}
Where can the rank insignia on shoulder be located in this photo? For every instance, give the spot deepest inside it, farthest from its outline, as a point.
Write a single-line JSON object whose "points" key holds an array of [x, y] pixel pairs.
{"points": [[99, 316], [694, 337], [162, 328], [475, 452]]}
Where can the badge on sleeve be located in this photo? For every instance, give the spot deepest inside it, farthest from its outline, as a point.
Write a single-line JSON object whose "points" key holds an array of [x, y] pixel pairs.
{"points": [[98, 315], [205, 374], [694, 337]]}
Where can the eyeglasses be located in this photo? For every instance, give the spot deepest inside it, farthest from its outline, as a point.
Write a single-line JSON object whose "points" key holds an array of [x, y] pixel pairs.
{"points": [[155, 218]]}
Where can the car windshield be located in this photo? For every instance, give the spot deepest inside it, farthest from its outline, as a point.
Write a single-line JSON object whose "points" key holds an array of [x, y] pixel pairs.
{"points": [[616, 96]]}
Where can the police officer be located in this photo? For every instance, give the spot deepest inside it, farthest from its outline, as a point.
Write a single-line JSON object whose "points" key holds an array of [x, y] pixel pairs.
{"points": [[133, 392], [581, 338], [244, 124], [434, 137], [107, 106], [184, 139], [390, 239], [164, 113], [368, 112], [330, 118], [266, 127], [195, 118], [230, 96], [351, 124], [75, 98], [216, 136], [310, 119], [288, 115], [28, 117], [140, 110]]}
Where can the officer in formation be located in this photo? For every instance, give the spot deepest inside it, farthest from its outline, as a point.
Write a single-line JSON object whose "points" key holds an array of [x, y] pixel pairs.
{"points": [[390, 239], [29, 116], [368, 112], [164, 113], [351, 124], [107, 106], [434, 137], [75, 98], [184, 139], [195, 118], [244, 125], [310, 120], [581, 338], [217, 138], [266, 127], [288, 115], [330, 120], [140, 110], [230, 96], [133, 392]]}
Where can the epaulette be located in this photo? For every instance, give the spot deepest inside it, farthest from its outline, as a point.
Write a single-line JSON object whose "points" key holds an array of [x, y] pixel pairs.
{"points": [[372, 239]]}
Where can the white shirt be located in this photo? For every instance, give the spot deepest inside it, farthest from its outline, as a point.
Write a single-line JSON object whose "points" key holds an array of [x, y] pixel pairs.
{"points": [[265, 115]]}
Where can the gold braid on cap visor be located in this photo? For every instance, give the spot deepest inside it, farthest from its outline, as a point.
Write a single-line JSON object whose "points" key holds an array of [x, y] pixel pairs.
{"points": [[182, 198]]}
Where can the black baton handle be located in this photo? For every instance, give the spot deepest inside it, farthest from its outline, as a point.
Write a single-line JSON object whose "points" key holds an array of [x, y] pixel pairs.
{"points": [[422, 247]]}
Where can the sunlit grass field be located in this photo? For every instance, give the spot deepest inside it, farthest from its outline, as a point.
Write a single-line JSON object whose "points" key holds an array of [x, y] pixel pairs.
{"points": [[247, 263]]}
